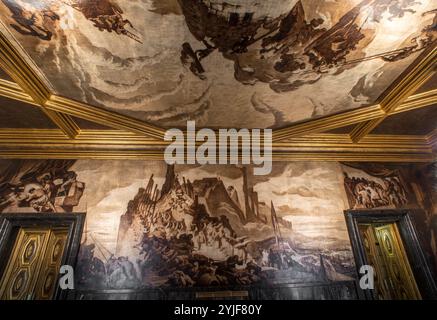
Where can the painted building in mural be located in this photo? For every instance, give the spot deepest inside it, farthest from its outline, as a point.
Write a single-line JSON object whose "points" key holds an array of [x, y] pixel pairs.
{"points": [[150, 225]]}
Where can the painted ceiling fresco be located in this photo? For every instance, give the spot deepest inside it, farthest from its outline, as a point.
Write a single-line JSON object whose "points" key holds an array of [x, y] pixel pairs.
{"points": [[239, 63]]}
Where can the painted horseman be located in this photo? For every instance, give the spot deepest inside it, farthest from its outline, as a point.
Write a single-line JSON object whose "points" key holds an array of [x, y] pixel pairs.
{"points": [[106, 16], [31, 18]]}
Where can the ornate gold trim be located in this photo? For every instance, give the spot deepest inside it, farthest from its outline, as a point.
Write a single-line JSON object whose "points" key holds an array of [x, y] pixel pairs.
{"points": [[13, 61], [13, 91], [406, 85], [95, 114], [115, 144], [288, 156], [432, 140], [119, 137], [58, 104], [331, 122], [417, 101], [429, 98], [355, 116]]}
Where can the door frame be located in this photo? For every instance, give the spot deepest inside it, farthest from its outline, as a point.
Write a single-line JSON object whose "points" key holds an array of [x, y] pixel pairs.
{"points": [[11, 223], [403, 219]]}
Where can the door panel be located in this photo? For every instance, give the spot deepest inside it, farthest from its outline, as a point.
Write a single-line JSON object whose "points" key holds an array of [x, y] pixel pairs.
{"points": [[33, 265], [382, 285], [47, 279], [385, 251], [395, 258]]}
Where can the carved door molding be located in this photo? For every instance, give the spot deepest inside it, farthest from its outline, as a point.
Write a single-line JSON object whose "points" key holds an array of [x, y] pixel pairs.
{"points": [[59, 234]]}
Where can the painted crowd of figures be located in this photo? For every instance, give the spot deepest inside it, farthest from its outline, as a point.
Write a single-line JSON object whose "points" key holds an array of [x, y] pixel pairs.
{"points": [[290, 43], [371, 194], [172, 236], [46, 193], [37, 20]]}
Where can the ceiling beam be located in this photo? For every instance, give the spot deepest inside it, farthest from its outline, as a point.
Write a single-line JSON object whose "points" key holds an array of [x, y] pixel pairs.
{"points": [[432, 140], [58, 104], [21, 70], [407, 83], [104, 117], [11, 90], [355, 116]]}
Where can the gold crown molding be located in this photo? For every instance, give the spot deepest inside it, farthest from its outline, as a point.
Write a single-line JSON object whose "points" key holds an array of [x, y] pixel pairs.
{"points": [[13, 91], [118, 137], [115, 144], [342, 142], [47, 138], [417, 101], [329, 122], [104, 117], [405, 85], [432, 140], [16, 63], [355, 116], [144, 155]]}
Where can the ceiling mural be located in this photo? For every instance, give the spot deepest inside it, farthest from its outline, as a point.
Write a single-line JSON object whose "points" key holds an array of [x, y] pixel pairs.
{"points": [[234, 63]]}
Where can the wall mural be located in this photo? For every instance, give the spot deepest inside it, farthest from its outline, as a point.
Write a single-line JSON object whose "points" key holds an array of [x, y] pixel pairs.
{"points": [[235, 63], [39, 186], [155, 226], [150, 225], [368, 187], [215, 226]]}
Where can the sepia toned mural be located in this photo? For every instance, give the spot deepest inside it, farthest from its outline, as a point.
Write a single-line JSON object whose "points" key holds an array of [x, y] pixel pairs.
{"points": [[215, 226], [39, 186], [372, 186], [158, 227], [150, 225], [235, 63]]}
